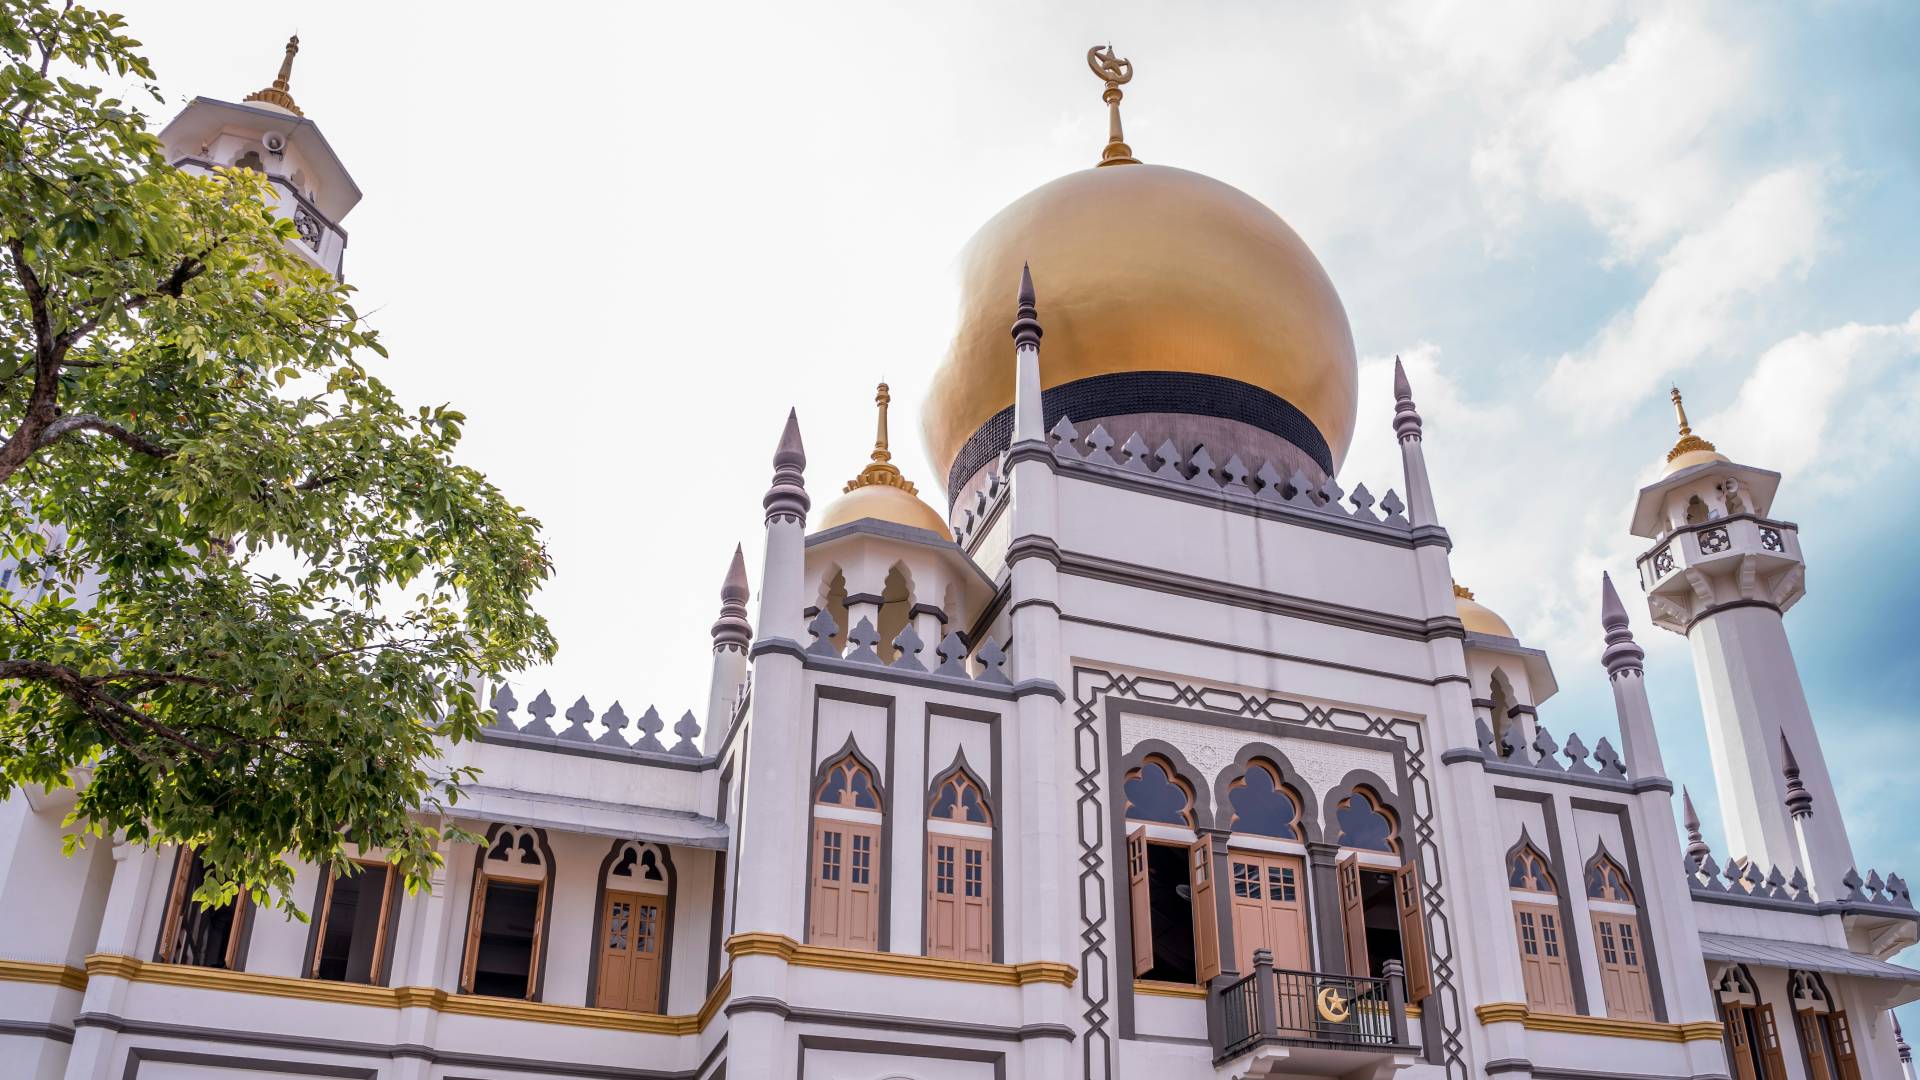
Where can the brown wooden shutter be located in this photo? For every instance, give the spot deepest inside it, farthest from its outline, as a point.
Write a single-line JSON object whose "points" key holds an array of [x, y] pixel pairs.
{"points": [[320, 928], [176, 904], [1843, 1052], [1806, 1024], [1413, 932], [1353, 915], [476, 910], [1139, 903], [1770, 1045], [1739, 1054], [1206, 916]]}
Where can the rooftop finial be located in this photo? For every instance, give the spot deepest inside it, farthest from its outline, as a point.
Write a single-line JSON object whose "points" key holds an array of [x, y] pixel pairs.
{"points": [[1116, 72], [732, 630], [786, 499], [1688, 440], [1406, 418], [1799, 800], [278, 94], [1026, 321], [1697, 848], [880, 468], [1623, 655]]}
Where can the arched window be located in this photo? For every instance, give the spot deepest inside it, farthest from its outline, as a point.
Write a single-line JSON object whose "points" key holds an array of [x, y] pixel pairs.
{"points": [[1618, 941], [1381, 908], [1500, 693], [1262, 805], [844, 903], [1155, 792], [1696, 511], [959, 870], [507, 919], [1539, 931], [630, 961], [250, 160], [1366, 824], [1749, 1031], [1826, 1036]]}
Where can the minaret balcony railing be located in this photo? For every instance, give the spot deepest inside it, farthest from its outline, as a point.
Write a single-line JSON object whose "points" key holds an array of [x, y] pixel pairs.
{"points": [[1757, 557], [320, 241]]}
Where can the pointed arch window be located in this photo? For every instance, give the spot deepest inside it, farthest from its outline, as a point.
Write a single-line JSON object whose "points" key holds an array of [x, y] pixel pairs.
{"points": [[1381, 907], [1155, 792], [1366, 824], [960, 870], [629, 966], [506, 922], [1749, 1030], [1618, 940], [1539, 931], [1826, 1036], [846, 871]]}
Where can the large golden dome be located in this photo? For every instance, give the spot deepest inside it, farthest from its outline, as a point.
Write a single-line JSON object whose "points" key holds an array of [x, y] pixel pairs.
{"points": [[1148, 269]]}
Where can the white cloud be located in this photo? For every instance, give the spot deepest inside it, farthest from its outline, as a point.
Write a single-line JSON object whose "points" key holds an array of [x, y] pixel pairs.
{"points": [[1695, 305]]}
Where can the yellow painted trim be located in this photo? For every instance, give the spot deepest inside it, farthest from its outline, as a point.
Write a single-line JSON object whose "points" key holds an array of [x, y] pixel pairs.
{"points": [[885, 963], [1168, 989], [1413, 1012], [405, 997], [1512, 1011], [33, 971]]}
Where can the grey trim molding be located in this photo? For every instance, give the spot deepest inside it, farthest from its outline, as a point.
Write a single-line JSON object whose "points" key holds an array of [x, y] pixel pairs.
{"points": [[995, 1058], [1461, 755], [384, 1051], [928, 679], [1031, 601], [776, 645], [140, 1055], [916, 1024], [559, 745], [29, 1029], [1028, 450], [1098, 568], [1248, 650], [1042, 687], [1033, 546], [1715, 609]]}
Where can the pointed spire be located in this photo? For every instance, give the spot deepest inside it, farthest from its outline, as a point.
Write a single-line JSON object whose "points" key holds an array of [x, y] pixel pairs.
{"points": [[277, 94], [1697, 848], [1406, 418], [1799, 800], [732, 630], [880, 470], [1623, 655], [1026, 322], [1900, 1046], [1688, 441], [1115, 72], [786, 498]]}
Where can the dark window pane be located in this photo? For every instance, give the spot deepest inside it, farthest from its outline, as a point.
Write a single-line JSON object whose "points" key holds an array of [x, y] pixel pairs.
{"points": [[1153, 796], [1363, 826], [353, 926], [1170, 901], [505, 961], [1382, 919], [204, 932], [1261, 808]]}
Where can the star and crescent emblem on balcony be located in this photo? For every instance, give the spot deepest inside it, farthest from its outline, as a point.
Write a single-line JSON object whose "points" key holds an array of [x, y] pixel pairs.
{"points": [[1333, 1008]]}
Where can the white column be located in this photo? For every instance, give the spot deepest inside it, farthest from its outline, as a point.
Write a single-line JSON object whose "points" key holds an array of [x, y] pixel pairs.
{"points": [[121, 926]]}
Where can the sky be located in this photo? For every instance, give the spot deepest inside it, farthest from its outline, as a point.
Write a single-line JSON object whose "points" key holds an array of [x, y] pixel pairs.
{"points": [[626, 239]]}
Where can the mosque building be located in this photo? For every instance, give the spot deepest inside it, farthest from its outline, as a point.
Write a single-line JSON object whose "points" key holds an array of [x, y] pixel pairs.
{"points": [[1150, 746]]}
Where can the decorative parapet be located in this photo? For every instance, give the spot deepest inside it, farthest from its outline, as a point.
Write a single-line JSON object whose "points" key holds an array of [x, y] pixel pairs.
{"points": [[638, 738], [1232, 480], [979, 513], [907, 647], [1544, 754], [1742, 881]]}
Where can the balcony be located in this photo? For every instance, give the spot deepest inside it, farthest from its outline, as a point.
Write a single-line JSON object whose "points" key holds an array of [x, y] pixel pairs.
{"points": [[1279, 1023]]}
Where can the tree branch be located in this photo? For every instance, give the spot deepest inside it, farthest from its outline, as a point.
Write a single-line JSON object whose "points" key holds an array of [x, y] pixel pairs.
{"points": [[88, 422]]}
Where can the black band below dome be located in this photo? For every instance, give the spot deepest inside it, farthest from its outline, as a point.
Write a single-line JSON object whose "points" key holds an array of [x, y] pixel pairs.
{"points": [[1122, 393]]}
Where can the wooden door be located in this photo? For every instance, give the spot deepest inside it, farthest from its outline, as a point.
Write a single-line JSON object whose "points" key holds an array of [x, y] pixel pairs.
{"points": [[1413, 932], [846, 894], [1739, 1046], [1543, 958], [1623, 973], [632, 929], [1843, 1052], [1269, 905], [1770, 1044], [960, 897], [1206, 913], [1811, 1027], [1353, 916]]}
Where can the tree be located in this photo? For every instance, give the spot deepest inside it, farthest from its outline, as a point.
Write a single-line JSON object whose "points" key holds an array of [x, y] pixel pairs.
{"points": [[252, 593]]}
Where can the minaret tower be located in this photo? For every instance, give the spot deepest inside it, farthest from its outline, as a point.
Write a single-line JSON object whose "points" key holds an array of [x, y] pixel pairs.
{"points": [[267, 132], [1722, 572]]}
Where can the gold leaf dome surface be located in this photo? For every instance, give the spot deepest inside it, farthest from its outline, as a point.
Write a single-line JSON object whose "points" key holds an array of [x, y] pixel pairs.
{"points": [[880, 502], [1477, 617], [1144, 268]]}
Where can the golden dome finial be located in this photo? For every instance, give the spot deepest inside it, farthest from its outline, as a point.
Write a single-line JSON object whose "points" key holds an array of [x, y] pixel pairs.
{"points": [[1116, 72], [277, 93], [880, 468], [1461, 592], [1688, 441]]}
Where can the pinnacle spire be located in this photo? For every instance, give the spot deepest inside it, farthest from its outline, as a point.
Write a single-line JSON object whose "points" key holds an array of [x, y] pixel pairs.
{"points": [[1026, 320], [786, 499], [1688, 441], [1406, 418], [1697, 848], [1622, 655], [1799, 800], [731, 629], [880, 470], [278, 94], [1116, 72]]}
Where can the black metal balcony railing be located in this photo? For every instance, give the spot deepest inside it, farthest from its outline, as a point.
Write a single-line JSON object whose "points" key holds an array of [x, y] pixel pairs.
{"points": [[1310, 1007]]}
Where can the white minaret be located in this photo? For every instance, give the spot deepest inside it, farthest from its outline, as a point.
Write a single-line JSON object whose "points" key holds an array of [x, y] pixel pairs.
{"points": [[267, 132], [1722, 573]]}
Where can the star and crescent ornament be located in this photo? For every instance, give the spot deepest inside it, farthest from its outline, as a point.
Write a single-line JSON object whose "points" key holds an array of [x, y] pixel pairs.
{"points": [[1115, 72], [1333, 1008]]}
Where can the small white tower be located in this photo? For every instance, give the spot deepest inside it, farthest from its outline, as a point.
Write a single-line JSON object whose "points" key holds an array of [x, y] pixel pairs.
{"points": [[1722, 572], [267, 132]]}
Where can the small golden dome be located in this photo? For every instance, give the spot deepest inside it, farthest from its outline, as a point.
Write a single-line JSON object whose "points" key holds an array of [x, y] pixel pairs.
{"points": [[880, 492], [1691, 449], [1145, 268], [1477, 617]]}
